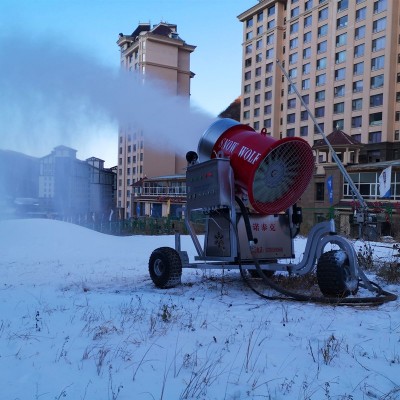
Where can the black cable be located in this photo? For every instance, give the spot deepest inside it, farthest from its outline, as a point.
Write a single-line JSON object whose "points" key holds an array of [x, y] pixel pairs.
{"points": [[381, 298]]}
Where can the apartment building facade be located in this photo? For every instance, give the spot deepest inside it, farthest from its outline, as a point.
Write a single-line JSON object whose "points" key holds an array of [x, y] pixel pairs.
{"points": [[74, 189], [343, 57], [154, 52]]}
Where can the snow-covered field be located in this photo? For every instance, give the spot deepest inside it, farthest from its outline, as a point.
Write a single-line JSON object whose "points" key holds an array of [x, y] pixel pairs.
{"points": [[81, 319]]}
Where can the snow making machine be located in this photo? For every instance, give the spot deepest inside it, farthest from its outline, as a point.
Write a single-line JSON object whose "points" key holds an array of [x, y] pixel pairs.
{"points": [[245, 185]]}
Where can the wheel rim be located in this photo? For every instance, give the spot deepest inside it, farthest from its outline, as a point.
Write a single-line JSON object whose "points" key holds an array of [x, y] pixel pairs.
{"points": [[159, 267]]}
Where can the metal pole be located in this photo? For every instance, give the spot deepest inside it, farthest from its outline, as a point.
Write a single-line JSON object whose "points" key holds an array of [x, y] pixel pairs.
{"points": [[345, 174]]}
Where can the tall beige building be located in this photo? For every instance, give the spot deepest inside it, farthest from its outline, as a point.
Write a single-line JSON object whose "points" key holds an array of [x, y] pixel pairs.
{"points": [[155, 52], [344, 58]]}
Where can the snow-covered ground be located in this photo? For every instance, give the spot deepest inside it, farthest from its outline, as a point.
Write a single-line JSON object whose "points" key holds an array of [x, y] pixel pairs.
{"points": [[81, 319]]}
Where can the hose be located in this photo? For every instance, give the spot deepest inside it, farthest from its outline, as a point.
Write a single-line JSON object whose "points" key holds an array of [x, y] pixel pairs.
{"points": [[381, 297]]}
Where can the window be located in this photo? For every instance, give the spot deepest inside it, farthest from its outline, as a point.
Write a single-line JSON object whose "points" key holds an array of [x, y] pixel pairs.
{"points": [[359, 33], [323, 30], [321, 47], [267, 123], [268, 109], [319, 191], [340, 57], [307, 21], [358, 68], [339, 91], [379, 43], [249, 23], [338, 108], [249, 35], [247, 63], [356, 122], [341, 40], [260, 30], [306, 68], [304, 131], [294, 28], [257, 85], [305, 84], [319, 112], [379, 6], [342, 5], [304, 115], [294, 12], [260, 16], [340, 74], [379, 25], [375, 137], [246, 114], [308, 5], [291, 103], [320, 95], [269, 67], [247, 88], [271, 11], [258, 71], [256, 98], [307, 37], [375, 119], [291, 118], [268, 81], [396, 135], [293, 58], [270, 39], [376, 100], [249, 48], [356, 104], [323, 14], [293, 43], [358, 86], [361, 14], [290, 132], [306, 98], [256, 112], [246, 101], [320, 80], [397, 97], [271, 24], [259, 44], [318, 127], [269, 54], [377, 63], [292, 73], [307, 53], [247, 75], [359, 50], [341, 22], [357, 137], [338, 124], [268, 95]]}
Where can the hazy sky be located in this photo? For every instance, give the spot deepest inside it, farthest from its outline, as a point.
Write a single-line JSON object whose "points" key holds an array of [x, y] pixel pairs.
{"points": [[31, 30]]}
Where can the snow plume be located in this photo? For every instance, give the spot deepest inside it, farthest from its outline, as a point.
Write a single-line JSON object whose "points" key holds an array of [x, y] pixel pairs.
{"points": [[52, 94]]}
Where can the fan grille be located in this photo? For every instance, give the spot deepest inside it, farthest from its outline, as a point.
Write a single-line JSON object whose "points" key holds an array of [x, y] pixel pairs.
{"points": [[282, 177]]}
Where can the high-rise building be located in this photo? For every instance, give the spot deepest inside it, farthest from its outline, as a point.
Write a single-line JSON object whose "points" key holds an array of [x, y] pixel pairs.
{"points": [[343, 57], [155, 52]]}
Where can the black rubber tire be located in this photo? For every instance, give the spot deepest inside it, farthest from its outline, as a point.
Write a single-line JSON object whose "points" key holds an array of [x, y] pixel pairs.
{"points": [[333, 275], [165, 267]]}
